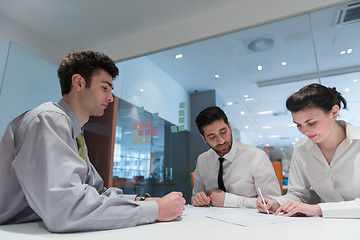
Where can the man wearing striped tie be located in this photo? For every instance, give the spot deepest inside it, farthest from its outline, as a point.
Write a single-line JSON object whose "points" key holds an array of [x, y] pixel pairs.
{"points": [[229, 173], [45, 173]]}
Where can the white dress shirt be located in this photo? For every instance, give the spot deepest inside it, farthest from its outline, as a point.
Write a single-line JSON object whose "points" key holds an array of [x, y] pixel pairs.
{"points": [[245, 169], [42, 177], [337, 184]]}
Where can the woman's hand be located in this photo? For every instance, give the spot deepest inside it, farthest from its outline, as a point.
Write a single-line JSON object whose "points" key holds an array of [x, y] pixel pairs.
{"points": [[271, 205], [293, 208]]}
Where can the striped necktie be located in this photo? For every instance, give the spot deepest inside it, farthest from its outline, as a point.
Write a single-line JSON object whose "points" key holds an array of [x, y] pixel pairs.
{"points": [[81, 146]]}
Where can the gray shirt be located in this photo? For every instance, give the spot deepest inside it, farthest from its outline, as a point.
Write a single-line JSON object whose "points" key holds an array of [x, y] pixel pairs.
{"points": [[42, 177], [245, 169]]}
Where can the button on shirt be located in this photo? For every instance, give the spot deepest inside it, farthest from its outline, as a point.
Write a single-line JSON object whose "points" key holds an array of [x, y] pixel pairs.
{"points": [[337, 184], [42, 177], [245, 169]]}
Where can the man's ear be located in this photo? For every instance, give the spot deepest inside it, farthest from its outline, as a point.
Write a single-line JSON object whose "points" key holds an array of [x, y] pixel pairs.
{"points": [[77, 82], [202, 136]]}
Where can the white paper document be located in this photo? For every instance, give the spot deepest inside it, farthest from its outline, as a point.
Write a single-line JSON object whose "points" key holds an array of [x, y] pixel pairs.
{"points": [[242, 217]]}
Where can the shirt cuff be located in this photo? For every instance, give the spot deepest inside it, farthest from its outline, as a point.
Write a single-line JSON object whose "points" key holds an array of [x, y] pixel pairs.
{"points": [[129, 197], [232, 200], [150, 211], [346, 209]]}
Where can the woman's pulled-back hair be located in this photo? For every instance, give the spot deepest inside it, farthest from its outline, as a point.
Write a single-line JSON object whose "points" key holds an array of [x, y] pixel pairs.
{"points": [[315, 96]]}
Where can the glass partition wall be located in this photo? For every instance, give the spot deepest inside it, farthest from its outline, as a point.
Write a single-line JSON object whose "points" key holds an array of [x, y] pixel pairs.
{"points": [[253, 71]]}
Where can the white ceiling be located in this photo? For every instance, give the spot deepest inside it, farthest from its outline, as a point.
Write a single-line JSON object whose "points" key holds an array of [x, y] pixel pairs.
{"points": [[87, 24]]}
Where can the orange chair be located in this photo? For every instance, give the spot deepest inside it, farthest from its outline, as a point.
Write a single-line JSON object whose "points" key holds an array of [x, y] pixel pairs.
{"points": [[192, 178], [279, 173]]}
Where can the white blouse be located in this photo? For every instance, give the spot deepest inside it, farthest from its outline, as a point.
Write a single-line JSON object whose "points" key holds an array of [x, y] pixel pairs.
{"points": [[337, 184]]}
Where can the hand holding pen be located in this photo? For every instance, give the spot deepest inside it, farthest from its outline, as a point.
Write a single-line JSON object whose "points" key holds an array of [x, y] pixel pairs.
{"points": [[265, 205]]}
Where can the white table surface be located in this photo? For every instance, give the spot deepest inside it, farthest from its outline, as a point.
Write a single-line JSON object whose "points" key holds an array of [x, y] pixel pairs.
{"points": [[195, 225]]}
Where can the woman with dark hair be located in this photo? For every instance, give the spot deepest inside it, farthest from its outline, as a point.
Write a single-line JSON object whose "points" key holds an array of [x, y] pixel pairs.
{"points": [[327, 159]]}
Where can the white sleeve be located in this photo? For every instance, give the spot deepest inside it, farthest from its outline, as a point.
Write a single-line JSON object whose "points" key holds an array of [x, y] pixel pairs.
{"points": [[198, 183], [346, 209], [299, 186]]}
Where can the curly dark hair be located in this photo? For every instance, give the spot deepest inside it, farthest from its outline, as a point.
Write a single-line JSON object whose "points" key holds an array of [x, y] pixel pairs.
{"points": [[85, 63], [315, 96]]}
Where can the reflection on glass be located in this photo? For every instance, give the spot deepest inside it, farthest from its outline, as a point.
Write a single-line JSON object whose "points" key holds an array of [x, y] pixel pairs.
{"points": [[139, 147]]}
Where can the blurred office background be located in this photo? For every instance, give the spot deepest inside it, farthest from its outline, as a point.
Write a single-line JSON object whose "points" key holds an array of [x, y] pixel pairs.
{"points": [[176, 59]]}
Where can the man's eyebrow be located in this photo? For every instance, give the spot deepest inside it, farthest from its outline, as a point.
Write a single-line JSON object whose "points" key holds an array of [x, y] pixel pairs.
{"points": [[110, 85], [210, 134]]}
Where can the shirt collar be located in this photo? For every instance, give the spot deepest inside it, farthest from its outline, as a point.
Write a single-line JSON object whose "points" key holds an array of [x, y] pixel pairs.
{"points": [[74, 119]]}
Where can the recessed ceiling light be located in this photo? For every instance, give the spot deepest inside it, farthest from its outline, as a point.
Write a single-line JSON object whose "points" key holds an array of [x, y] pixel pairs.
{"points": [[217, 76], [347, 89], [246, 127], [246, 96], [141, 90], [260, 44], [260, 136], [274, 136], [259, 67], [349, 50], [342, 52], [355, 80], [178, 56], [229, 103], [249, 99], [265, 112], [283, 63], [267, 145], [293, 143], [291, 125], [266, 127], [242, 113]]}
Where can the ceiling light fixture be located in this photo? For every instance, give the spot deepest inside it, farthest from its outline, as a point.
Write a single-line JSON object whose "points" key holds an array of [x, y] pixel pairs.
{"points": [[355, 80], [217, 76], [347, 89], [242, 113], [249, 99], [349, 51], [260, 44], [141, 90], [342, 52], [283, 63], [266, 127], [229, 103], [178, 56], [259, 67], [265, 112]]}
